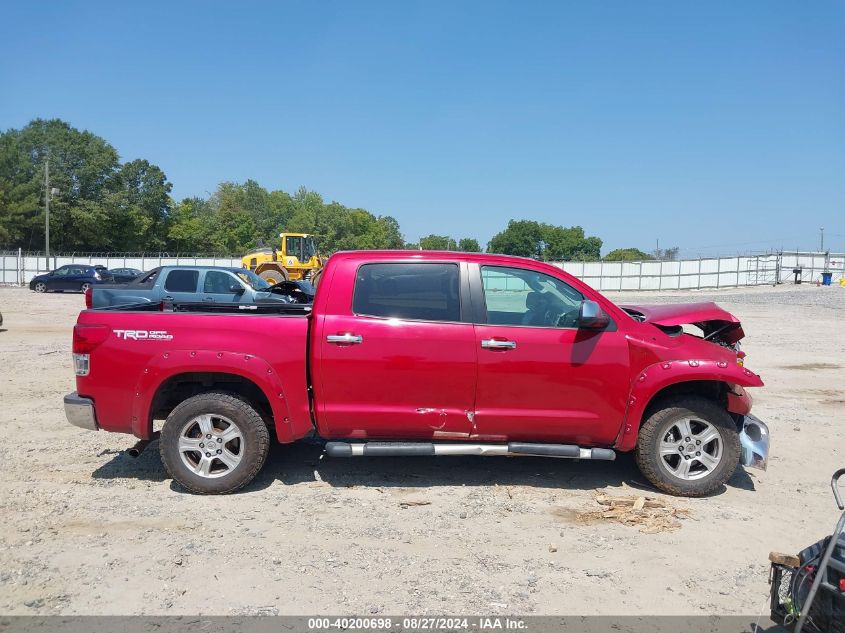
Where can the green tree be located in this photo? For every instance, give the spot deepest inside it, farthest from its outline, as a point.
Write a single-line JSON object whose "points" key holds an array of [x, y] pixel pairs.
{"points": [[190, 226], [234, 232], [627, 255], [81, 168], [438, 243], [139, 202], [528, 238], [469, 245], [101, 204], [524, 238], [392, 233]]}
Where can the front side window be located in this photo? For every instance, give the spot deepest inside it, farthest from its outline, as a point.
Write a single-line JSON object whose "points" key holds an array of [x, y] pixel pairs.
{"points": [[61, 272], [516, 296], [423, 292], [182, 281], [217, 282]]}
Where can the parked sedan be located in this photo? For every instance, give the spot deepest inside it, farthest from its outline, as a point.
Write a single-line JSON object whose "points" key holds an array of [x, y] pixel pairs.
{"points": [[125, 275], [70, 277]]}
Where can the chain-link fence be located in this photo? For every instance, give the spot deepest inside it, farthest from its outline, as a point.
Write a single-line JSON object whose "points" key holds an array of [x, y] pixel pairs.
{"points": [[19, 267]]}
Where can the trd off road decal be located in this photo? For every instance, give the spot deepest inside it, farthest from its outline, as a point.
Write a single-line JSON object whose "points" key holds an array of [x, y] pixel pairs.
{"points": [[144, 335]]}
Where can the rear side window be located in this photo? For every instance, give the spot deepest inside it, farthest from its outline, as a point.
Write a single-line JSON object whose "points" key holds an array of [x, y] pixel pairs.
{"points": [[182, 281], [149, 278], [425, 292]]}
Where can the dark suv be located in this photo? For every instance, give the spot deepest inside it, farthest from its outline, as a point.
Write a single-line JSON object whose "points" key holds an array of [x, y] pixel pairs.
{"points": [[71, 277]]}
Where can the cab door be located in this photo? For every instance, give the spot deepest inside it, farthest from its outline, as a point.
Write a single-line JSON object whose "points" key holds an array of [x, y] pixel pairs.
{"points": [[397, 354], [540, 377], [58, 279], [181, 285], [218, 285]]}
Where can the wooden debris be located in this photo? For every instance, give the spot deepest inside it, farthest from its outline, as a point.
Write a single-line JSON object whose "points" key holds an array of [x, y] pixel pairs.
{"points": [[650, 514], [788, 560], [648, 502], [408, 504]]}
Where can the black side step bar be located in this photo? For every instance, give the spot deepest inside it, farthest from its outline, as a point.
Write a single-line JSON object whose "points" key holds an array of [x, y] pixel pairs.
{"points": [[417, 449]]}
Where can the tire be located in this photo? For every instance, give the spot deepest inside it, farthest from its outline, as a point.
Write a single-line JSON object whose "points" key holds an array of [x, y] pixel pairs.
{"points": [[688, 468], [225, 469], [274, 276], [40, 287], [84, 287]]}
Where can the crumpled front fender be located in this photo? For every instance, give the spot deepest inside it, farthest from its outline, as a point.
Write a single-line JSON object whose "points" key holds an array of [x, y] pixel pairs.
{"points": [[658, 376]]}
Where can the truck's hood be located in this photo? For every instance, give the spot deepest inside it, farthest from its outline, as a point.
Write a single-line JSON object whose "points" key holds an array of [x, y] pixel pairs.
{"points": [[713, 321]]}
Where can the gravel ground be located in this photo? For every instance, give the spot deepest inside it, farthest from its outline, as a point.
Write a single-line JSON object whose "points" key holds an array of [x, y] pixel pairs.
{"points": [[90, 530]]}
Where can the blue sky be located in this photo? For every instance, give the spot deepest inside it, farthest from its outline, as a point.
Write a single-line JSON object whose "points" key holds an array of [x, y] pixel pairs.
{"points": [[714, 126]]}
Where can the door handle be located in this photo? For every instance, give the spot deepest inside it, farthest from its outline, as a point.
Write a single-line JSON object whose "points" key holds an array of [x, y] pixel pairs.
{"points": [[492, 343], [344, 339]]}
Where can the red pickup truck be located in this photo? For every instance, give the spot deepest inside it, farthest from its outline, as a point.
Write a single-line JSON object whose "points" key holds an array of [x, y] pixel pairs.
{"points": [[426, 353]]}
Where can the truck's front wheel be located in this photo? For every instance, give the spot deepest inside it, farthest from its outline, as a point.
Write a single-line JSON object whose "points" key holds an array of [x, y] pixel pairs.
{"points": [[214, 443], [689, 447]]}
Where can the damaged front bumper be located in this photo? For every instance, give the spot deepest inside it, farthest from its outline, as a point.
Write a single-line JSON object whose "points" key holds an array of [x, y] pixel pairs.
{"points": [[754, 443]]}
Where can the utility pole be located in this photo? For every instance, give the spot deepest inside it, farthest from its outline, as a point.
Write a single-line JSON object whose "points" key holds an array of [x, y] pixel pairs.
{"points": [[47, 211], [821, 248]]}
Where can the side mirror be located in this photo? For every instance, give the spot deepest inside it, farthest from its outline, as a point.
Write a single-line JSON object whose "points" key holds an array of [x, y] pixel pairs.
{"points": [[237, 289], [591, 316]]}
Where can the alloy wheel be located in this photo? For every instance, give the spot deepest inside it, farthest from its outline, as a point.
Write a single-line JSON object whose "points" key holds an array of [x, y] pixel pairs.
{"points": [[211, 445], [691, 449]]}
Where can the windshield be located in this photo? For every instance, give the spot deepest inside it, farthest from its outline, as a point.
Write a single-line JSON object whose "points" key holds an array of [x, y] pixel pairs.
{"points": [[252, 280]]}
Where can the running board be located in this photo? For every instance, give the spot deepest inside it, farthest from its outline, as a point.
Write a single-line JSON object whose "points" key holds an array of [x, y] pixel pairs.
{"points": [[420, 449]]}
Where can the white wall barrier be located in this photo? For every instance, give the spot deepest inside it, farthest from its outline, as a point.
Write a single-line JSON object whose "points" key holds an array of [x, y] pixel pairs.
{"points": [[685, 274], [18, 268]]}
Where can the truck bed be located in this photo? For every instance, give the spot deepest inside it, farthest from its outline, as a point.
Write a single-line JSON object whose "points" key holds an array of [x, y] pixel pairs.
{"points": [[143, 353], [292, 309]]}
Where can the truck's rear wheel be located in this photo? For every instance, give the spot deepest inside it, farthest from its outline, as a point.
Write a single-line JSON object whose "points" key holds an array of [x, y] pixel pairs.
{"points": [[214, 443], [273, 277], [689, 447]]}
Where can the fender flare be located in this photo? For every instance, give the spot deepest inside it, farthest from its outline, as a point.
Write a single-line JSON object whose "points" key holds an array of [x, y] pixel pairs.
{"points": [[658, 376], [167, 364]]}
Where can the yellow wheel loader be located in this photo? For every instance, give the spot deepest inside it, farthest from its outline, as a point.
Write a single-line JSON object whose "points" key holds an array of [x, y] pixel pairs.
{"points": [[296, 260]]}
